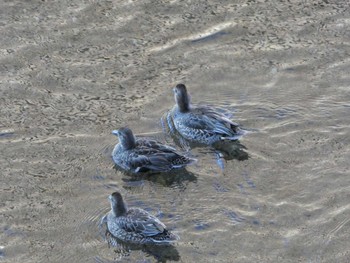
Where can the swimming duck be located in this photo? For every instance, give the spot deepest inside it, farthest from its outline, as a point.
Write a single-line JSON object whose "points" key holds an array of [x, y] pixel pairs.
{"points": [[202, 124], [135, 225], [144, 155]]}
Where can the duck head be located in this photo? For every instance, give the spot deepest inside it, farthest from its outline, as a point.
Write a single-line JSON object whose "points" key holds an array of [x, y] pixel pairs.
{"points": [[182, 98], [126, 138]]}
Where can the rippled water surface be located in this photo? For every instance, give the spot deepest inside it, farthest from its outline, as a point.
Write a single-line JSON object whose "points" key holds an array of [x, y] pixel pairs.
{"points": [[72, 71]]}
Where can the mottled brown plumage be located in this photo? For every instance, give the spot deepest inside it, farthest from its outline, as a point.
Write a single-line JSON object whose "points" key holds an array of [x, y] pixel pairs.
{"points": [[145, 155], [135, 225], [201, 124]]}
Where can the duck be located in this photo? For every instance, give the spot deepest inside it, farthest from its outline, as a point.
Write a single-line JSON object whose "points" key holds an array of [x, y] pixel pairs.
{"points": [[145, 155], [135, 225], [201, 124]]}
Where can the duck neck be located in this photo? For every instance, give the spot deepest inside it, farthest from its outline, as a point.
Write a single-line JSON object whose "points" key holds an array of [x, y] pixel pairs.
{"points": [[183, 103], [119, 208], [128, 142]]}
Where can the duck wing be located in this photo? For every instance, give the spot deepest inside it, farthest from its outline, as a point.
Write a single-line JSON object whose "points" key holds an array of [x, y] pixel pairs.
{"points": [[151, 155], [215, 114], [207, 118], [140, 221], [155, 145]]}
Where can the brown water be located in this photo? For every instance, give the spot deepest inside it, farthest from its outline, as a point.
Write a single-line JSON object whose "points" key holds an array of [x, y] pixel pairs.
{"points": [[72, 71]]}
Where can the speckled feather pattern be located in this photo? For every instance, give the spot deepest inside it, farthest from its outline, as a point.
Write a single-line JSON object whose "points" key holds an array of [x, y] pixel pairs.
{"points": [[149, 155], [204, 125], [136, 225]]}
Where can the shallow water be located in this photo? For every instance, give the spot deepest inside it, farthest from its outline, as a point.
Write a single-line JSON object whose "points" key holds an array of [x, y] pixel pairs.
{"points": [[72, 71]]}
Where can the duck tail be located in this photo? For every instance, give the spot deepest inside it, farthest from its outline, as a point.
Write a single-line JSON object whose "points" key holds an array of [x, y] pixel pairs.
{"points": [[172, 237], [183, 161], [191, 160], [165, 238], [236, 136]]}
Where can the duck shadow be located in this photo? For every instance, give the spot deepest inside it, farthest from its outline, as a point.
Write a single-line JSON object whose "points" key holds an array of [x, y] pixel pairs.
{"points": [[162, 253], [231, 150], [176, 177], [228, 150]]}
